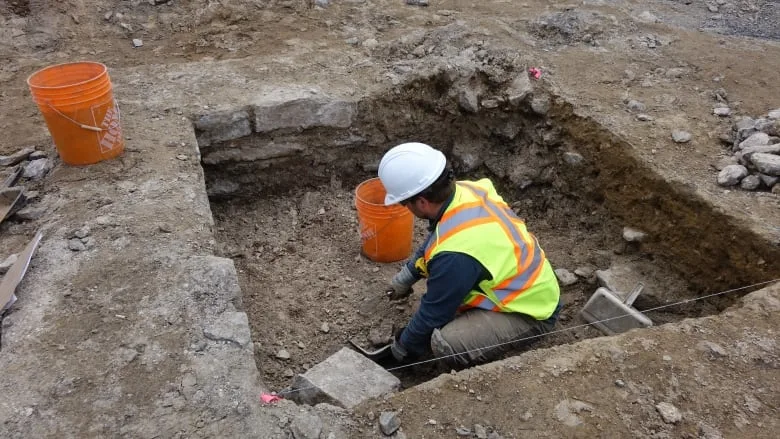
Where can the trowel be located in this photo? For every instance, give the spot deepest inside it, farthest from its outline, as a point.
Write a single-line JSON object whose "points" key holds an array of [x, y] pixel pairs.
{"points": [[374, 355]]}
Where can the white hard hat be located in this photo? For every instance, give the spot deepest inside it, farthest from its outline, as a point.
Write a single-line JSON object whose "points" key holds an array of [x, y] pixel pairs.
{"points": [[408, 169]]}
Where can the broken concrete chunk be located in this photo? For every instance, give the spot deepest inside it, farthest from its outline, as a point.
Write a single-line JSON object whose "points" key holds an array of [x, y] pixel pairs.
{"points": [[345, 379], [17, 157], [230, 326]]}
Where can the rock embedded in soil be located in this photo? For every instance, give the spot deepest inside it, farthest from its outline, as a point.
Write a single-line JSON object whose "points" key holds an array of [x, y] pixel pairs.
{"points": [[325, 328], [637, 106], [82, 232], [680, 136], [480, 432], [644, 117], [669, 413], [283, 354], [76, 245], [721, 111], [30, 213], [631, 234], [565, 277], [37, 155], [731, 175], [389, 422], [306, 426]]}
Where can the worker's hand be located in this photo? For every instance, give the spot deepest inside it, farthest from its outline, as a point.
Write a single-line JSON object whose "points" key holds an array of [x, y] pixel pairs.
{"points": [[401, 284], [398, 350]]}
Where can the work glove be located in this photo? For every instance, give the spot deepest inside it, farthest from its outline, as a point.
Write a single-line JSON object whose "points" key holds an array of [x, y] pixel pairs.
{"points": [[398, 350], [401, 284]]}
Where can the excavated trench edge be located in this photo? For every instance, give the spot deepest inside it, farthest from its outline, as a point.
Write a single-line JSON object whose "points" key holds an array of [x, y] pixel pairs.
{"points": [[631, 191]]}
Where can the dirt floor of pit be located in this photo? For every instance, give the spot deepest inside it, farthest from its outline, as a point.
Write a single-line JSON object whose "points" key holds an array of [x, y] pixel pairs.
{"points": [[299, 266]]}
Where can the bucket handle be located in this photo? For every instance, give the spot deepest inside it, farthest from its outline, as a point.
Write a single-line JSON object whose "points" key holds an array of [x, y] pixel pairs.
{"points": [[85, 126]]}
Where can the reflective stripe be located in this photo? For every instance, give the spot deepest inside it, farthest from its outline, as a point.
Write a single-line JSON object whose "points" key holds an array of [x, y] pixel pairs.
{"points": [[459, 220]]}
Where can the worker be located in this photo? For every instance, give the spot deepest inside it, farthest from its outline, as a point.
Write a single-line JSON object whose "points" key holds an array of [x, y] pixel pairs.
{"points": [[490, 287]]}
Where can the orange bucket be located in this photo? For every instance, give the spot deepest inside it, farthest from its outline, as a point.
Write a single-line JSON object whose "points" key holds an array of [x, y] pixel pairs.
{"points": [[80, 111], [385, 231]]}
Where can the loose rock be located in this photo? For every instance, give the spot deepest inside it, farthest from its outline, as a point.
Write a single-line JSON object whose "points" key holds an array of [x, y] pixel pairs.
{"points": [[480, 432], [36, 170], [722, 111], [750, 183], [30, 213], [325, 327], [565, 277], [37, 155], [680, 136], [768, 164], [644, 118], [82, 232], [731, 175], [774, 114], [572, 158], [137, 42], [634, 105], [76, 245], [462, 431], [389, 422], [669, 413], [757, 139], [283, 354]]}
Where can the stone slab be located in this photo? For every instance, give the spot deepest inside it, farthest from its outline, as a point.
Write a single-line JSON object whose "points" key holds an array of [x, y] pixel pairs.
{"points": [[609, 314], [302, 111], [345, 379]]}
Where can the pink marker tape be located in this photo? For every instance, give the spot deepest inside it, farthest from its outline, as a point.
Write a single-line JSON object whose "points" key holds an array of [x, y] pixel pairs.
{"points": [[535, 73], [267, 398]]}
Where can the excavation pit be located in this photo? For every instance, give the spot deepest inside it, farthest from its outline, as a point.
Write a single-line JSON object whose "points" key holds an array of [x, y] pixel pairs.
{"points": [[282, 197]]}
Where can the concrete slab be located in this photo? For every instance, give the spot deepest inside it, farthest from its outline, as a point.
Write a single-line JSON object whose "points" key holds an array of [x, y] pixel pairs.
{"points": [[608, 313], [345, 379]]}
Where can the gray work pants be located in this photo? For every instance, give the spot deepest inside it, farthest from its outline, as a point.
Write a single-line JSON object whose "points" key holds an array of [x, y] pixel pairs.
{"points": [[471, 338]]}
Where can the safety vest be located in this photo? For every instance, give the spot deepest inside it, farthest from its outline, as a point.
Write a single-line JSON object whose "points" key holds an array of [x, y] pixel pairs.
{"points": [[480, 224]]}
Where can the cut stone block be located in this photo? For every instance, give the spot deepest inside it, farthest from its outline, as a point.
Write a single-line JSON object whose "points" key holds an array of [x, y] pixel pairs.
{"points": [[219, 127], [608, 313], [345, 379], [299, 112]]}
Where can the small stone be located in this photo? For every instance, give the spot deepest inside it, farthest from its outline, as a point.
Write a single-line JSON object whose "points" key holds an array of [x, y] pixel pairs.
{"points": [[667, 358], [107, 16], [8, 263], [325, 327], [647, 17], [82, 232], [322, 3], [680, 136], [36, 170], [306, 426], [731, 175], [750, 183], [283, 354], [490, 103], [631, 234], [669, 413], [712, 8], [620, 383], [137, 42], [301, 345], [585, 271], [540, 105], [712, 348], [774, 114], [76, 245], [722, 111], [432, 422], [769, 180], [572, 158], [462, 431], [676, 72], [182, 157], [634, 105], [288, 373], [37, 155], [389, 422], [644, 117], [565, 277], [468, 100], [321, 211], [527, 416], [352, 41], [30, 213], [480, 432]]}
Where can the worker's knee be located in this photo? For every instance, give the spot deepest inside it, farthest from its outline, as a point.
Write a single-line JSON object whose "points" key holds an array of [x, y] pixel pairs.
{"points": [[442, 349]]}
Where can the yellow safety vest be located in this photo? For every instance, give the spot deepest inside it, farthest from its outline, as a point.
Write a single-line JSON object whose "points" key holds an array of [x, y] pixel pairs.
{"points": [[480, 224]]}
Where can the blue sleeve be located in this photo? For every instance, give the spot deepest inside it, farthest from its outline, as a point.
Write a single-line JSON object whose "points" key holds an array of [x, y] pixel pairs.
{"points": [[452, 276]]}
